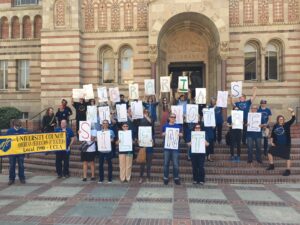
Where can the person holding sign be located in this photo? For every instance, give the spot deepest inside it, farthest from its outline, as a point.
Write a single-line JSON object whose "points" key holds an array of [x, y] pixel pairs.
{"points": [[13, 159], [219, 120], [81, 109], [171, 148], [281, 142], [151, 106], [197, 144], [165, 112]]}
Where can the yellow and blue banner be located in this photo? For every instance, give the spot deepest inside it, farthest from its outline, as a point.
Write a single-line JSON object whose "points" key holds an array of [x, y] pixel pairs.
{"points": [[32, 143]]}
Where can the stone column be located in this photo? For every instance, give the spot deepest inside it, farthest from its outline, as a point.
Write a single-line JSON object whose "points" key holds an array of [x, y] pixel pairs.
{"points": [[262, 65], [116, 57], [223, 74]]}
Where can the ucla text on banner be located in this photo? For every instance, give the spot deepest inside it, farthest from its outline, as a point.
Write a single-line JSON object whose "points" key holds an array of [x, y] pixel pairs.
{"points": [[32, 143]]}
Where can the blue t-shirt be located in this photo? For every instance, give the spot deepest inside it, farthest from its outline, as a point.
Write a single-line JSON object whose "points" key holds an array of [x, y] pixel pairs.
{"points": [[265, 113], [245, 107], [12, 131], [151, 107], [69, 134], [280, 134], [167, 125]]}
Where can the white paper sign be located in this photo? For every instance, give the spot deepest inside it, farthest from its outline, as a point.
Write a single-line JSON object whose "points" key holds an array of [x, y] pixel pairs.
{"points": [[192, 115], [222, 99], [133, 91], [91, 113], [165, 84], [178, 111], [200, 97], [198, 142], [78, 93], [171, 138], [102, 94], [103, 141], [209, 117], [236, 89], [114, 94], [104, 113], [89, 92], [121, 112], [183, 84], [145, 136], [125, 141], [149, 87], [254, 120], [137, 109], [84, 131], [237, 117]]}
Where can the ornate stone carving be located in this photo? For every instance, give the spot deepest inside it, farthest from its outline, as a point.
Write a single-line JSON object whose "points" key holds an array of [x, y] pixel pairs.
{"points": [[278, 11], [293, 10], [59, 7], [89, 15], [153, 53], [128, 15], [142, 16], [115, 15], [102, 15], [248, 11], [263, 11], [234, 17]]}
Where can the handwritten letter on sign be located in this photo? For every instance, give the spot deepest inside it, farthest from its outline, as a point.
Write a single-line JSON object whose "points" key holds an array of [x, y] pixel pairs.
{"points": [[178, 111], [114, 94], [145, 136], [198, 142], [149, 87], [133, 91], [183, 84], [102, 94], [89, 93], [104, 113], [165, 84], [103, 140], [78, 93], [237, 117], [236, 89], [222, 99], [137, 109], [209, 117], [200, 97], [121, 112], [172, 138], [254, 120], [91, 113], [125, 141], [192, 115], [85, 131]]}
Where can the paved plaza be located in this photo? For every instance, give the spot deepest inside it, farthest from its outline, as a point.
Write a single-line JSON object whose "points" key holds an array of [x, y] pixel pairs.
{"points": [[45, 200]]}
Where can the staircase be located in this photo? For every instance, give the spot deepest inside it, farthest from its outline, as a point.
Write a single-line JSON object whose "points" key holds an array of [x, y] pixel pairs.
{"points": [[219, 171]]}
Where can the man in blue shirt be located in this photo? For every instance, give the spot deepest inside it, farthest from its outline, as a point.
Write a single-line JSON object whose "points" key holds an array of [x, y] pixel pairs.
{"points": [[64, 154], [15, 130], [171, 153]]}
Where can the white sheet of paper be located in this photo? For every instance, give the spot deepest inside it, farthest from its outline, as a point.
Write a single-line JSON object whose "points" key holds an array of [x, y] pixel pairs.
{"points": [[85, 131], [104, 113], [200, 97], [236, 89], [209, 117], [137, 109], [125, 141], [172, 138], [183, 84], [102, 94], [133, 91], [254, 120], [91, 113], [222, 99], [145, 136], [78, 93], [165, 84], [237, 117], [114, 94], [149, 87], [103, 141], [89, 91], [178, 111], [192, 115], [198, 142], [121, 112]]}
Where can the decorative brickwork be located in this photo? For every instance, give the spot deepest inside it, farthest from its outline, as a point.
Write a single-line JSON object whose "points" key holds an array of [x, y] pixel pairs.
{"points": [[4, 32], [263, 11], [142, 15], [248, 11], [59, 8], [115, 15], [234, 12], [293, 10], [37, 26], [89, 15], [102, 15], [27, 31], [128, 15], [15, 27], [278, 11]]}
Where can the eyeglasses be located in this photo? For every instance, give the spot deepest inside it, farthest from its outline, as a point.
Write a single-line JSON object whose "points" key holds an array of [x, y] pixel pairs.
{"points": [[125, 126], [197, 127], [173, 117], [104, 123]]}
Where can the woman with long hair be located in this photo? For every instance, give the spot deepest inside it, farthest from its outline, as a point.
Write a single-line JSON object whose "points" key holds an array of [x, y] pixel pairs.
{"points": [[165, 112], [49, 121]]}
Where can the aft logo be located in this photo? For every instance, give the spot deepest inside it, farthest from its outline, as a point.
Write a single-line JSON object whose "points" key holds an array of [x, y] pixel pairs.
{"points": [[5, 144]]}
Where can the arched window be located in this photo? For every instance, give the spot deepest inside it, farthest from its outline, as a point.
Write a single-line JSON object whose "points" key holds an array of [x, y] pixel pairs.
{"points": [[108, 66], [37, 26], [27, 27], [15, 27], [273, 61], [126, 68], [4, 28], [251, 61]]}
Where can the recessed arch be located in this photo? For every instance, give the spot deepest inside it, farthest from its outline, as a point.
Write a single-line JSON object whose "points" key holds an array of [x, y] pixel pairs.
{"points": [[37, 26], [15, 27], [4, 28], [27, 27], [252, 62]]}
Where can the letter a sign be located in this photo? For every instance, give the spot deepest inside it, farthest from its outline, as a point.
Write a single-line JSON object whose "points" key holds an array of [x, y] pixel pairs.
{"points": [[183, 84]]}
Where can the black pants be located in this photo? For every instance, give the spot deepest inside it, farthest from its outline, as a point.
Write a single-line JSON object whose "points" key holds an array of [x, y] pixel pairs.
{"points": [[108, 158], [198, 167], [244, 133], [235, 136], [210, 149], [62, 156], [148, 164], [218, 133]]}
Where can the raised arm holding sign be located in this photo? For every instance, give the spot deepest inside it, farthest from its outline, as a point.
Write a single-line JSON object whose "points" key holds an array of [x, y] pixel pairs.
{"points": [[149, 87], [78, 93], [89, 92], [200, 97], [104, 113], [137, 109], [183, 84], [91, 114], [121, 112], [114, 94], [133, 91], [178, 111], [102, 94], [222, 99], [165, 84], [236, 89]]}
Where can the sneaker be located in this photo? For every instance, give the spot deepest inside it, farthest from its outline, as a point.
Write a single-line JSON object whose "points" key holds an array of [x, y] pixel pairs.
{"points": [[23, 181], [237, 159], [177, 182], [270, 167], [286, 173], [201, 183], [147, 180], [10, 182], [166, 182], [100, 181], [93, 178], [59, 176], [141, 180], [84, 179], [109, 182], [66, 176], [259, 161], [194, 182]]}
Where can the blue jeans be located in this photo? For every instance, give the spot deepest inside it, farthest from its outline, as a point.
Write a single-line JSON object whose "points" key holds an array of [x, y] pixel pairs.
{"points": [[250, 142], [174, 155], [12, 167]]}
